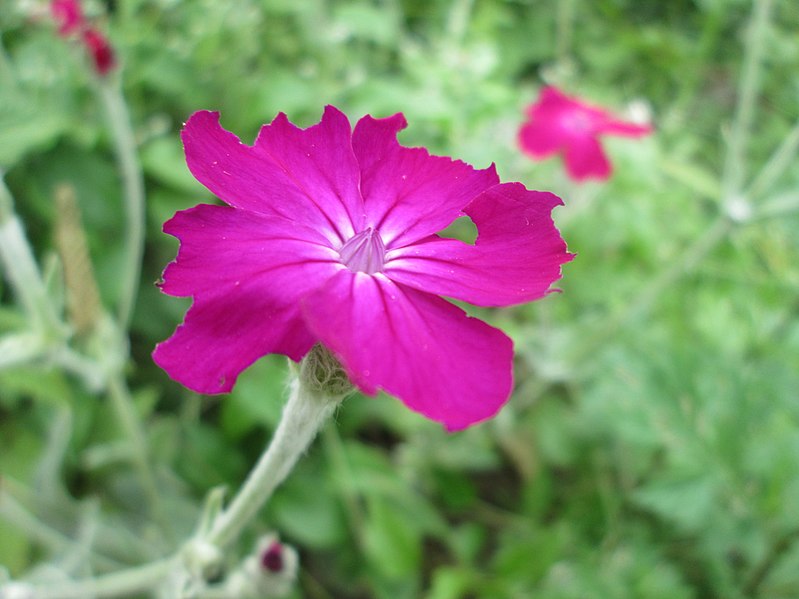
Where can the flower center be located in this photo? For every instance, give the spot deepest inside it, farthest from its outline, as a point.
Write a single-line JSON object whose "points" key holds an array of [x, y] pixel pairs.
{"points": [[577, 121], [364, 252]]}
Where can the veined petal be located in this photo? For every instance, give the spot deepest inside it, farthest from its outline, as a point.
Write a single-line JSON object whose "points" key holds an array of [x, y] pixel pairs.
{"points": [[409, 194], [247, 273], [308, 175], [221, 247], [420, 348], [516, 257], [225, 332]]}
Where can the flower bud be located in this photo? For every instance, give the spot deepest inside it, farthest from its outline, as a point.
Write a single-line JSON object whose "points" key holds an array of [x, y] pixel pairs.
{"points": [[272, 558]]}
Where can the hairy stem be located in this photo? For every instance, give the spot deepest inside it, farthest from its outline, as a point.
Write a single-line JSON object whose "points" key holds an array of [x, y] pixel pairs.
{"points": [[748, 89], [119, 584], [116, 111], [307, 409], [303, 416], [564, 26], [122, 403], [781, 159], [23, 273], [13, 512]]}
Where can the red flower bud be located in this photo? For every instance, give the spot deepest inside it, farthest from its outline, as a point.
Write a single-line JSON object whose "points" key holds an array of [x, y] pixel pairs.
{"points": [[272, 558], [100, 50]]}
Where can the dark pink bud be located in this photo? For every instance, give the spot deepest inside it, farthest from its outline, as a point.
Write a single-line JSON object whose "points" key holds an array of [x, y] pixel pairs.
{"points": [[272, 558], [101, 52]]}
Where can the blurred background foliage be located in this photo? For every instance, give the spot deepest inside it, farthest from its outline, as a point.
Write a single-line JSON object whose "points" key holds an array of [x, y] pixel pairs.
{"points": [[651, 448]]}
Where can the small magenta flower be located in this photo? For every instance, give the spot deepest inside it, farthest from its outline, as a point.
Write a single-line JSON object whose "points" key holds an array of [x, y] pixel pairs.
{"points": [[272, 557], [100, 50], [329, 236], [68, 15], [559, 123]]}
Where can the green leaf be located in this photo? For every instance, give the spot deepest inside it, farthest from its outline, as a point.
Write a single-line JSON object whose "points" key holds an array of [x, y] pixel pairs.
{"points": [[689, 502], [393, 544]]}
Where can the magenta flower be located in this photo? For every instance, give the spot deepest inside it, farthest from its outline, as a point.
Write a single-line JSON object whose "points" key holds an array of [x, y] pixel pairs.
{"points": [[68, 15], [329, 235], [100, 50], [560, 123]]}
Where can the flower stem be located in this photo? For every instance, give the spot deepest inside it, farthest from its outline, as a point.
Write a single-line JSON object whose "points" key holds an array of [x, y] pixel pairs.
{"points": [[17, 258], [122, 403], [303, 416], [12, 511], [780, 160], [565, 25], [748, 88], [118, 584], [116, 111], [318, 388]]}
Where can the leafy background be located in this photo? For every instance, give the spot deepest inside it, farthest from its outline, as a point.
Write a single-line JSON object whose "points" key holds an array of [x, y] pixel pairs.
{"points": [[651, 448]]}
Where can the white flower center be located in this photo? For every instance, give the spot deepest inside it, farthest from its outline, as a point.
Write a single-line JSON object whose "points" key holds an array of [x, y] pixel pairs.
{"points": [[577, 121], [365, 252]]}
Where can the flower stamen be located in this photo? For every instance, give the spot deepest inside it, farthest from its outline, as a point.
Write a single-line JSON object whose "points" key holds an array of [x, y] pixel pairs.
{"points": [[365, 252]]}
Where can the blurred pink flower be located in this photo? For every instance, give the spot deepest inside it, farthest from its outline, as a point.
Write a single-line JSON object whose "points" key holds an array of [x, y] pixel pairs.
{"points": [[68, 15], [100, 50], [71, 22], [329, 235], [557, 122]]}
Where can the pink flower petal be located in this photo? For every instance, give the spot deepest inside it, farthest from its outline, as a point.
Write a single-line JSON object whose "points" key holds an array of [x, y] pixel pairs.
{"points": [[222, 247], [540, 139], [309, 175], [247, 273], [224, 333], [320, 161], [611, 126], [585, 158], [441, 363], [516, 257], [552, 100], [409, 194], [68, 14], [100, 50]]}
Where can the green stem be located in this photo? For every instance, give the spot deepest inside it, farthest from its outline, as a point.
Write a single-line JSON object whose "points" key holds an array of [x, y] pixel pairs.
{"points": [[89, 371], [778, 206], [14, 513], [565, 26], [770, 560], [781, 159], [118, 118], [132, 426], [458, 20], [748, 89], [17, 258], [303, 416], [314, 397], [20, 348], [118, 584]]}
